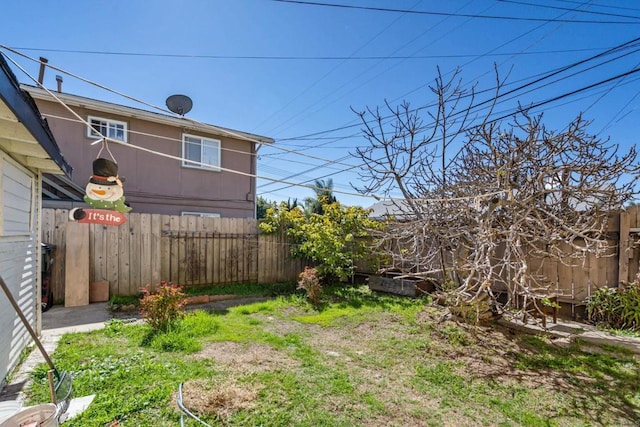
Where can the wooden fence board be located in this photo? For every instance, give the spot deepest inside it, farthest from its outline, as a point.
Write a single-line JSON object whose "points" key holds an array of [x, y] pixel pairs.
{"points": [[112, 260], [124, 256], [623, 248], [135, 252], [174, 255], [59, 240], [146, 249], [99, 246], [612, 264], [155, 264], [165, 248]]}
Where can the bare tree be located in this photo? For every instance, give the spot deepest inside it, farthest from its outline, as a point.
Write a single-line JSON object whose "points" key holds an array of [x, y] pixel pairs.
{"points": [[407, 155], [512, 198], [532, 195]]}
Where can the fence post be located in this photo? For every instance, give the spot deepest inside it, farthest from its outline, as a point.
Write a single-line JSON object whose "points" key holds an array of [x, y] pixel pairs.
{"points": [[623, 249]]}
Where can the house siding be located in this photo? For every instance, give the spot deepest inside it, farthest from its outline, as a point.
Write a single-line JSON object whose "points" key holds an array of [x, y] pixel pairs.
{"points": [[18, 260], [156, 184]]}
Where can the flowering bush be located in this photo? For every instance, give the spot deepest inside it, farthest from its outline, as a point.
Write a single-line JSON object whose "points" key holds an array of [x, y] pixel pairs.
{"points": [[310, 282], [164, 307]]}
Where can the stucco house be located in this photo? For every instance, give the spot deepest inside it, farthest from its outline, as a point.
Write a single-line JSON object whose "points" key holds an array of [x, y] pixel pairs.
{"points": [[27, 151], [226, 187]]}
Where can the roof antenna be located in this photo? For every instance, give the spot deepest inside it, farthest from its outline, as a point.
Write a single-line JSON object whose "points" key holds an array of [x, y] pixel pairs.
{"points": [[179, 104]]}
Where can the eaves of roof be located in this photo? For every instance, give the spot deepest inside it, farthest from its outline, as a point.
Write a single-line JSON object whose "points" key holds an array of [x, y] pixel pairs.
{"points": [[136, 113], [28, 121]]}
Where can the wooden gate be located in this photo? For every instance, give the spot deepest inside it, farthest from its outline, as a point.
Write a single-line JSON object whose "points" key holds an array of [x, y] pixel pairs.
{"points": [[200, 258]]}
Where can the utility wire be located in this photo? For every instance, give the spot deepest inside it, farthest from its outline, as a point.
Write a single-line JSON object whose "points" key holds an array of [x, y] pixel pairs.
{"points": [[459, 15], [607, 6], [550, 100], [544, 6], [530, 107], [169, 156], [157, 153], [538, 78], [327, 74], [293, 57]]}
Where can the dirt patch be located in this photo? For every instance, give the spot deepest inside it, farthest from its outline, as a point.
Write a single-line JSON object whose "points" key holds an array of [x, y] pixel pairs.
{"points": [[246, 358]]}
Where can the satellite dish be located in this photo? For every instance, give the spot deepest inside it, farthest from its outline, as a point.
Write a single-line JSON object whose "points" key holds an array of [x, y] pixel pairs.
{"points": [[179, 104]]}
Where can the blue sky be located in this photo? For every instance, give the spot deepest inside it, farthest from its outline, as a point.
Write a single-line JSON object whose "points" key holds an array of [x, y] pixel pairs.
{"points": [[287, 70]]}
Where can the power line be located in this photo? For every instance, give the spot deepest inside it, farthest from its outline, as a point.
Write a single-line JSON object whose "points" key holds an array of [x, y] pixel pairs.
{"points": [[607, 6], [543, 6], [106, 140], [539, 104], [296, 152], [538, 78], [459, 15], [79, 119], [291, 57], [328, 73], [553, 99]]}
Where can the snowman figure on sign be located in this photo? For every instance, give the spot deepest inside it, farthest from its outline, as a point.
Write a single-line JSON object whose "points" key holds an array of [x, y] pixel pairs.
{"points": [[104, 190]]}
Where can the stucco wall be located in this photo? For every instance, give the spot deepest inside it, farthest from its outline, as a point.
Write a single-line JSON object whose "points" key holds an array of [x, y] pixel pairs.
{"points": [[156, 184]]}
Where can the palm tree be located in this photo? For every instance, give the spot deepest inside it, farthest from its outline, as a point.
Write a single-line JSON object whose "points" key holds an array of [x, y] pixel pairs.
{"points": [[324, 196]]}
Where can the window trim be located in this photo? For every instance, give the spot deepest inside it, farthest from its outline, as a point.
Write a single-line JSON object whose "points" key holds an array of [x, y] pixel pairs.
{"points": [[201, 214], [187, 164], [90, 130]]}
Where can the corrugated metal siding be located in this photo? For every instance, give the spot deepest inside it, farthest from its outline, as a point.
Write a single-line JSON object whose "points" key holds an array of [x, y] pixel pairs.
{"points": [[18, 262]]}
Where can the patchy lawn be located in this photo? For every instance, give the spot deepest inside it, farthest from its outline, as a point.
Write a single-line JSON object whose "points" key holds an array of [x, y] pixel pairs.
{"points": [[362, 359]]}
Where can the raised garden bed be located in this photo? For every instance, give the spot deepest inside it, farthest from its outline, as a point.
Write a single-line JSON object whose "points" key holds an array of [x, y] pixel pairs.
{"points": [[396, 283]]}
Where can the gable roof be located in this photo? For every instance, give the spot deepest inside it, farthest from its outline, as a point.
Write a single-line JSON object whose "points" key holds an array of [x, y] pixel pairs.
{"points": [[399, 209], [23, 132], [137, 113]]}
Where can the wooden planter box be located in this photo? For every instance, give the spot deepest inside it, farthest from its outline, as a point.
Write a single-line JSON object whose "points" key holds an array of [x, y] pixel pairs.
{"points": [[400, 286]]}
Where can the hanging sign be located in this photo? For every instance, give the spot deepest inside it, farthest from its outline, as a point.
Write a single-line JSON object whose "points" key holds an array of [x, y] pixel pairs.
{"points": [[104, 190], [97, 216], [105, 196]]}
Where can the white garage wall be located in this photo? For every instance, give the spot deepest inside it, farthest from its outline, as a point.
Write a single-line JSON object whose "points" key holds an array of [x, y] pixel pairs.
{"points": [[18, 259]]}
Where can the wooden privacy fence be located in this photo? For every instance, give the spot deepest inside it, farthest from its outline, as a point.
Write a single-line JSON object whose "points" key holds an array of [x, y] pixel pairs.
{"points": [[187, 250], [573, 280], [577, 279], [193, 251]]}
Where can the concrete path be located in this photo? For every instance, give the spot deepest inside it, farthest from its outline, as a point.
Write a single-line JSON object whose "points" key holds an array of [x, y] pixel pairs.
{"points": [[55, 323], [567, 332]]}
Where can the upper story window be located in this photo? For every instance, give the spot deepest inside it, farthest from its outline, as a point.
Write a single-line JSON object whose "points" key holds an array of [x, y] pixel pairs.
{"points": [[113, 129], [204, 151]]}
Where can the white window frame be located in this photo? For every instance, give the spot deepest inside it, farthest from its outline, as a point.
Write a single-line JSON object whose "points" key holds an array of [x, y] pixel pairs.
{"points": [[218, 146], [109, 123], [201, 214]]}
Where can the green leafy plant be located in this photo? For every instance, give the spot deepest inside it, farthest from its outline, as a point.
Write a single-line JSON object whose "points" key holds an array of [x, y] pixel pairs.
{"points": [[617, 308], [334, 240], [162, 308], [310, 282]]}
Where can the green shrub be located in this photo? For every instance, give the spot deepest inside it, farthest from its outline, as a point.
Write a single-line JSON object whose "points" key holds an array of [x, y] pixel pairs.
{"points": [[617, 308], [164, 307]]}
